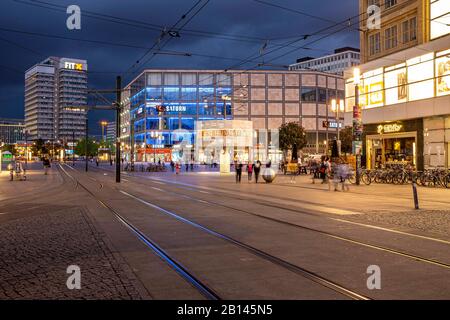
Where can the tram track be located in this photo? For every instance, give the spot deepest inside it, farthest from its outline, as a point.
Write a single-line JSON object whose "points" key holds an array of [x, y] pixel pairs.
{"points": [[411, 256], [314, 277], [206, 291]]}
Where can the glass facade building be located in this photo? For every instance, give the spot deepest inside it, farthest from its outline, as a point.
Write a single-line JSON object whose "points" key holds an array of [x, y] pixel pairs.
{"points": [[11, 131], [162, 106]]}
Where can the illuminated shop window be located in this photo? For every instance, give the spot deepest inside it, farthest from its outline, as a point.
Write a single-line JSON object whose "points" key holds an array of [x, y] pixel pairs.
{"points": [[171, 94], [439, 18], [187, 123], [395, 83], [189, 94], [443, 73], [420, 77], [154, 94], [372, 90]]}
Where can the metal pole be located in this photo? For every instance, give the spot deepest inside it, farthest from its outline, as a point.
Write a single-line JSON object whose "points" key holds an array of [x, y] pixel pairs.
{"points": [[416, 198], [337, 120], [26, 148], [118, 109], [86, 137], [73, 148], [358, 154], [132, 141]]}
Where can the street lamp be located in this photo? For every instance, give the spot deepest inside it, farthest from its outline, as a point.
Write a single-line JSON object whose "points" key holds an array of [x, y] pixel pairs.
{"points": [[357, 123], [337, 107], [103, 124]]}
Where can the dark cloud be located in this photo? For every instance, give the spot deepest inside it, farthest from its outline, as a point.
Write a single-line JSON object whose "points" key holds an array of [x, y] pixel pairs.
{"points": [[232, 17]]}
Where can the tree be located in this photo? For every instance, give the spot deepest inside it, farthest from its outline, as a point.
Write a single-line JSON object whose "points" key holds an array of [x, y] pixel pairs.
{"points": [[10, 148], [38, 148], [346, 136], [290, 134], [81, 147]]}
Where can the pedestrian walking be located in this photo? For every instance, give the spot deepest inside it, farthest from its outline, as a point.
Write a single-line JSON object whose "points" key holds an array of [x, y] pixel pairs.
{"points": [[46, 163], [249, 171], [177, 168], [257, 169], [172, 165], [238, 168]]}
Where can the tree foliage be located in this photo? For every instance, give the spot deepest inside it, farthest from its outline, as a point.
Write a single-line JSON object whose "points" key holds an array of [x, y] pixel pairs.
{"points": [[10, 148], [38, 148], [81, 147], [292, 133], [346, 136]]}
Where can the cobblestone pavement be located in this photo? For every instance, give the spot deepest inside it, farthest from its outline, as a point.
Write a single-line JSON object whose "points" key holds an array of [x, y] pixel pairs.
{"points": [[434, 221], [35, 251]]}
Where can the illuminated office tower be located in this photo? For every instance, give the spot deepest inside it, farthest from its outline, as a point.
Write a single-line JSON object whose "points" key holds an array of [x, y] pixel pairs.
{"points": [[54, 91]]}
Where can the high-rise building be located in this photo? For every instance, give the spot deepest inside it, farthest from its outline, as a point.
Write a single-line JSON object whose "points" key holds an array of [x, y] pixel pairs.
{"points": [[111, 132], [404, 88], [163, 106], [11, 130], [55, 94], [343, 58]]}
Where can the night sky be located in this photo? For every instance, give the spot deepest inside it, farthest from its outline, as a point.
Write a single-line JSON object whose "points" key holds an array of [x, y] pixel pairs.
{"points": [[232, 29]]}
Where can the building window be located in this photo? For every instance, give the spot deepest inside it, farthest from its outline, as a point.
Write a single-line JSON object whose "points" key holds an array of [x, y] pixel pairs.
{"points": [[409, 30], [322, 95], [309, 94], [374, 3], [390, 37], [389, 3], [188, 79], [171, 79], [374, 44], [154, 79]]}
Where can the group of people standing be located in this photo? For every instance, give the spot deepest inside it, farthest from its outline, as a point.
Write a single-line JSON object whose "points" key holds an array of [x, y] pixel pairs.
{"points": [[339, 172], [250, 167], [176, 166]]}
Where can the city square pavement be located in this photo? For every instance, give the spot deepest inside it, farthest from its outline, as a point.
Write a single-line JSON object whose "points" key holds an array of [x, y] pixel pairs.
{"points": [[243, 240], [378, 203]]}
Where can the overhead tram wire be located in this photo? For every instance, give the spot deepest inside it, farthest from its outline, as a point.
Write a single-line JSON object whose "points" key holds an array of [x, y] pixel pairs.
{"points": [[158, 40], [157, 43], [150, 26], [274, 44], [47, 3], [247, 59], [304, 47]]}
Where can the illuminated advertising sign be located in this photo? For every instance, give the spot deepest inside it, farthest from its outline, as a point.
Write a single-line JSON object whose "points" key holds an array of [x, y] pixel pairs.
{"points": [[443, 73], [389, 128], [73, 66], [395, 82]]}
